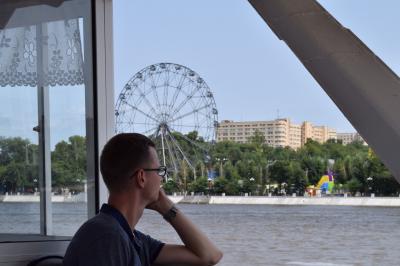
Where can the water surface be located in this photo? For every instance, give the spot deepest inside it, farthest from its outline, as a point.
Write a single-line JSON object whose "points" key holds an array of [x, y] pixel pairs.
{"points": [[256, 234]]}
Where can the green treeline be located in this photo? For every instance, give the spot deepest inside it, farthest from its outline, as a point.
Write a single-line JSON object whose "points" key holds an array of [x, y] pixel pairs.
{"points": [[239, 168], [259, 169], [19, 165]]}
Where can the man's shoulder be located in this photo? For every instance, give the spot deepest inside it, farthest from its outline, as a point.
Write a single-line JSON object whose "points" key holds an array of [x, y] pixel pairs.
{"points": [[102, 219], [100, 223], [99, 238], [98, 227]]}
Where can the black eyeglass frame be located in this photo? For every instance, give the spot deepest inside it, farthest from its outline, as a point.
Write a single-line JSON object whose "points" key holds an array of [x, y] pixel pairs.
{"points": [[162, 170]]}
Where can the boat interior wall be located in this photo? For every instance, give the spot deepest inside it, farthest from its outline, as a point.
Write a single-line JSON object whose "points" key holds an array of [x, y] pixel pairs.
{"points": [[9, 6], [22, 13], [363, 87], [22, 253]]}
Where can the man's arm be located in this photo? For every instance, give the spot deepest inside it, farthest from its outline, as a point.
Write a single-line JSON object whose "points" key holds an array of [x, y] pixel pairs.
{"points": [[197, 249]]}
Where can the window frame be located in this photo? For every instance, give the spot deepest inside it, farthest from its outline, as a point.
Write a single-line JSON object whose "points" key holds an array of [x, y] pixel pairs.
{"points": [[99, 123]]}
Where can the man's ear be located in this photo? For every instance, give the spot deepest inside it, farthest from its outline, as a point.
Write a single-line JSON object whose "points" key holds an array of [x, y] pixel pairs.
{"points": [[140, 179]]}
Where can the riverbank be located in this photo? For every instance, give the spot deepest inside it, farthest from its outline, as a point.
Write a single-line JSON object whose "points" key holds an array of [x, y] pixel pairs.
{"points": [[240, 200], [334, 201], [36, 198]]}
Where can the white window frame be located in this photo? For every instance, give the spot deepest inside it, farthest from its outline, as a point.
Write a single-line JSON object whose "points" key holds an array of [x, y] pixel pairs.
{"points": [[101, 121]]}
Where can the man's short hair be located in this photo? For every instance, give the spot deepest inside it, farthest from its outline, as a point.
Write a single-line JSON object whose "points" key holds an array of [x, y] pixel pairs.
{"points": [[121, 157]]}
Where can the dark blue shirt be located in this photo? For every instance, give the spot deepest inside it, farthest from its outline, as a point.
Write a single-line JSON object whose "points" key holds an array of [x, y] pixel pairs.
{"points": [[107, 239]]}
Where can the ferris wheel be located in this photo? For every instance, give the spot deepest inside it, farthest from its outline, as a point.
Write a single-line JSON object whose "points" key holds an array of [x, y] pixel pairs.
{"points": [[165, 101]]}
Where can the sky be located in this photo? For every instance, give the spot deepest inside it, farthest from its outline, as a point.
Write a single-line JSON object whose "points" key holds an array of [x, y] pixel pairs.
{"points": [[252, 74]]}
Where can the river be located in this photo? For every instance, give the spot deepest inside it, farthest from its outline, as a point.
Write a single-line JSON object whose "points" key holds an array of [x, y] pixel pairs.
{"points": [[256, 234]]}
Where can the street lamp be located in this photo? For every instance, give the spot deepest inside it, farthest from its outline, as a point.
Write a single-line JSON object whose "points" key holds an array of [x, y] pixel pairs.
{"points": [[252, 179], [292, 188], [269, 163], [35, 183], [369, 182], [221, 161], [4, 187], [283, 190]]}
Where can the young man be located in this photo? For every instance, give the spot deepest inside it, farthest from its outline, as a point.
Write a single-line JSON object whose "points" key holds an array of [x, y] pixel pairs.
{"points": [[132, 173]]}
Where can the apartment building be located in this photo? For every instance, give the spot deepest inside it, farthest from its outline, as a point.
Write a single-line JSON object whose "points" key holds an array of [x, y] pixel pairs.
{"points": [[317, 133], [275, 132], [295, 136], [278, 133], [347, 138]]}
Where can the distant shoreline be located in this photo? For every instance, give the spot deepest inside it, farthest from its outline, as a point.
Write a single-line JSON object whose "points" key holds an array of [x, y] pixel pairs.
{"points": [[239, 200], [265, 200], [36, 198]]}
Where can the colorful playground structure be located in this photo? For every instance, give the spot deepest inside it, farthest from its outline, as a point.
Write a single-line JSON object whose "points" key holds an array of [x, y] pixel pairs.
{"points": [[324, 186], [326, 183]]}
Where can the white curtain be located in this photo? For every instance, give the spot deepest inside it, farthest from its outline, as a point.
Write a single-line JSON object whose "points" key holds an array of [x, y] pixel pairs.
{"points": [[61, 62]]}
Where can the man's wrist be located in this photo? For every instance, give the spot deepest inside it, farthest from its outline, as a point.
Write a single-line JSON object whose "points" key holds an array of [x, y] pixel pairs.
{"points": [[163, 203], [171, 213], [164, 207]]}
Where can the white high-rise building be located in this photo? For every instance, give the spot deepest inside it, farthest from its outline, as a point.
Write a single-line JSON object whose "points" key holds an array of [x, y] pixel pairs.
{"points": [[278, 133], [348, 138]]}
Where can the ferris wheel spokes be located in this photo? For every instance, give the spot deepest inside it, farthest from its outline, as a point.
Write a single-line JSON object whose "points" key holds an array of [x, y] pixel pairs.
{"points": [[142, 97], [152, 109], [143, 113], [172, 155], [155, 129], [153, 89], [185, 101], [178, 90], [187, 114], [175, 142], [163, 148]]}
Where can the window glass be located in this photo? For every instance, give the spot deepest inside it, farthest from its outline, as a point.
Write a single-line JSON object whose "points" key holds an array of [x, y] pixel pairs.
{"points": [[46, 98]]}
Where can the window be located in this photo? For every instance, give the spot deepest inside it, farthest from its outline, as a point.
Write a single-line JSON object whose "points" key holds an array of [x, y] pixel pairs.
{"points": [[47, 131]]}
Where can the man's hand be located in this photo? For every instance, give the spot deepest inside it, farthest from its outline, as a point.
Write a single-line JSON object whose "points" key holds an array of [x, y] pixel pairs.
{"points": [[197, 248], [162, 205]]}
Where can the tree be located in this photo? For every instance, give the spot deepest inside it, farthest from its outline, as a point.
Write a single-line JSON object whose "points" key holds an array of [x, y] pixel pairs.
{"points": [[381, 180], [258, 139], [13, 149], [232, 188], [15, 170], [171, 186], [280, 172], [314, 166], [69, 163], [297, 181], [230, 171], [248, 186], [313, 148], [354, 185], [200, 185], [340, 172]]}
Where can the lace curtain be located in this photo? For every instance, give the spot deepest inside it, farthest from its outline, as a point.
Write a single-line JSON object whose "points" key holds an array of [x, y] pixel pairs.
{"points": [[61, 49]]}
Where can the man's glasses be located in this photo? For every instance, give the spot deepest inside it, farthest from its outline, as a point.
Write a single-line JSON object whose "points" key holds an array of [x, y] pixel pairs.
{"points": [[161, 171]]}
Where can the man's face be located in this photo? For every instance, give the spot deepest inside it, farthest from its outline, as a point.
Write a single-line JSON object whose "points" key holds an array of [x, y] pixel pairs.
{"points": [[153, 179]]}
